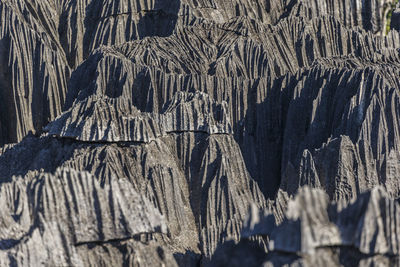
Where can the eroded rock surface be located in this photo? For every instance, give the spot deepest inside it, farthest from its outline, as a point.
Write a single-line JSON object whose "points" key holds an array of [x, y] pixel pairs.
{"points": [[140, 132], [47, 219], [316, 231]]}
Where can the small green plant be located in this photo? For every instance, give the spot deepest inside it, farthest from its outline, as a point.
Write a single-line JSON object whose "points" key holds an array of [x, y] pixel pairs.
{"points": [[389, 15]]}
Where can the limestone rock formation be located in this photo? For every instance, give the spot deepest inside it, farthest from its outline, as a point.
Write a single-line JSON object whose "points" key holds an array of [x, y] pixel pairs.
{"points": [[50, 218], [139, 133], [190, 174], [194, 112], [316, 231]]}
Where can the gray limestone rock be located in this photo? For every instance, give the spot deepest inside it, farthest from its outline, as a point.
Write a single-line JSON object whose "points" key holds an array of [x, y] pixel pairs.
{"points": [[241, 67], [192, 175], [139, 133], [47, 219], [105, 119], [316, 231]]}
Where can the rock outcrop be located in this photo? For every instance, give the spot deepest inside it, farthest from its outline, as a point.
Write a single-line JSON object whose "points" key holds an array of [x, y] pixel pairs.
{"points": [[140, 132], [50, 218], [105, 119], [185, 161], [316, 231]]}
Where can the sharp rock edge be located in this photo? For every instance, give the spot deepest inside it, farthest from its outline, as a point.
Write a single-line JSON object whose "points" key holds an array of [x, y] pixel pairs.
{"points": [[101, 118], [192, 175], [51, 219], [316, 231]]}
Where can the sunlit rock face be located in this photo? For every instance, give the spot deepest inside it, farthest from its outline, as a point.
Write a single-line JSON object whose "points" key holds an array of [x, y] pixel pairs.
{"points": [[199, 133]]}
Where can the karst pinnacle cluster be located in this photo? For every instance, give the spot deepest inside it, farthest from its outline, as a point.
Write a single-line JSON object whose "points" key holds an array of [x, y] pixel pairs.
{"points": [[200, 133]]}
